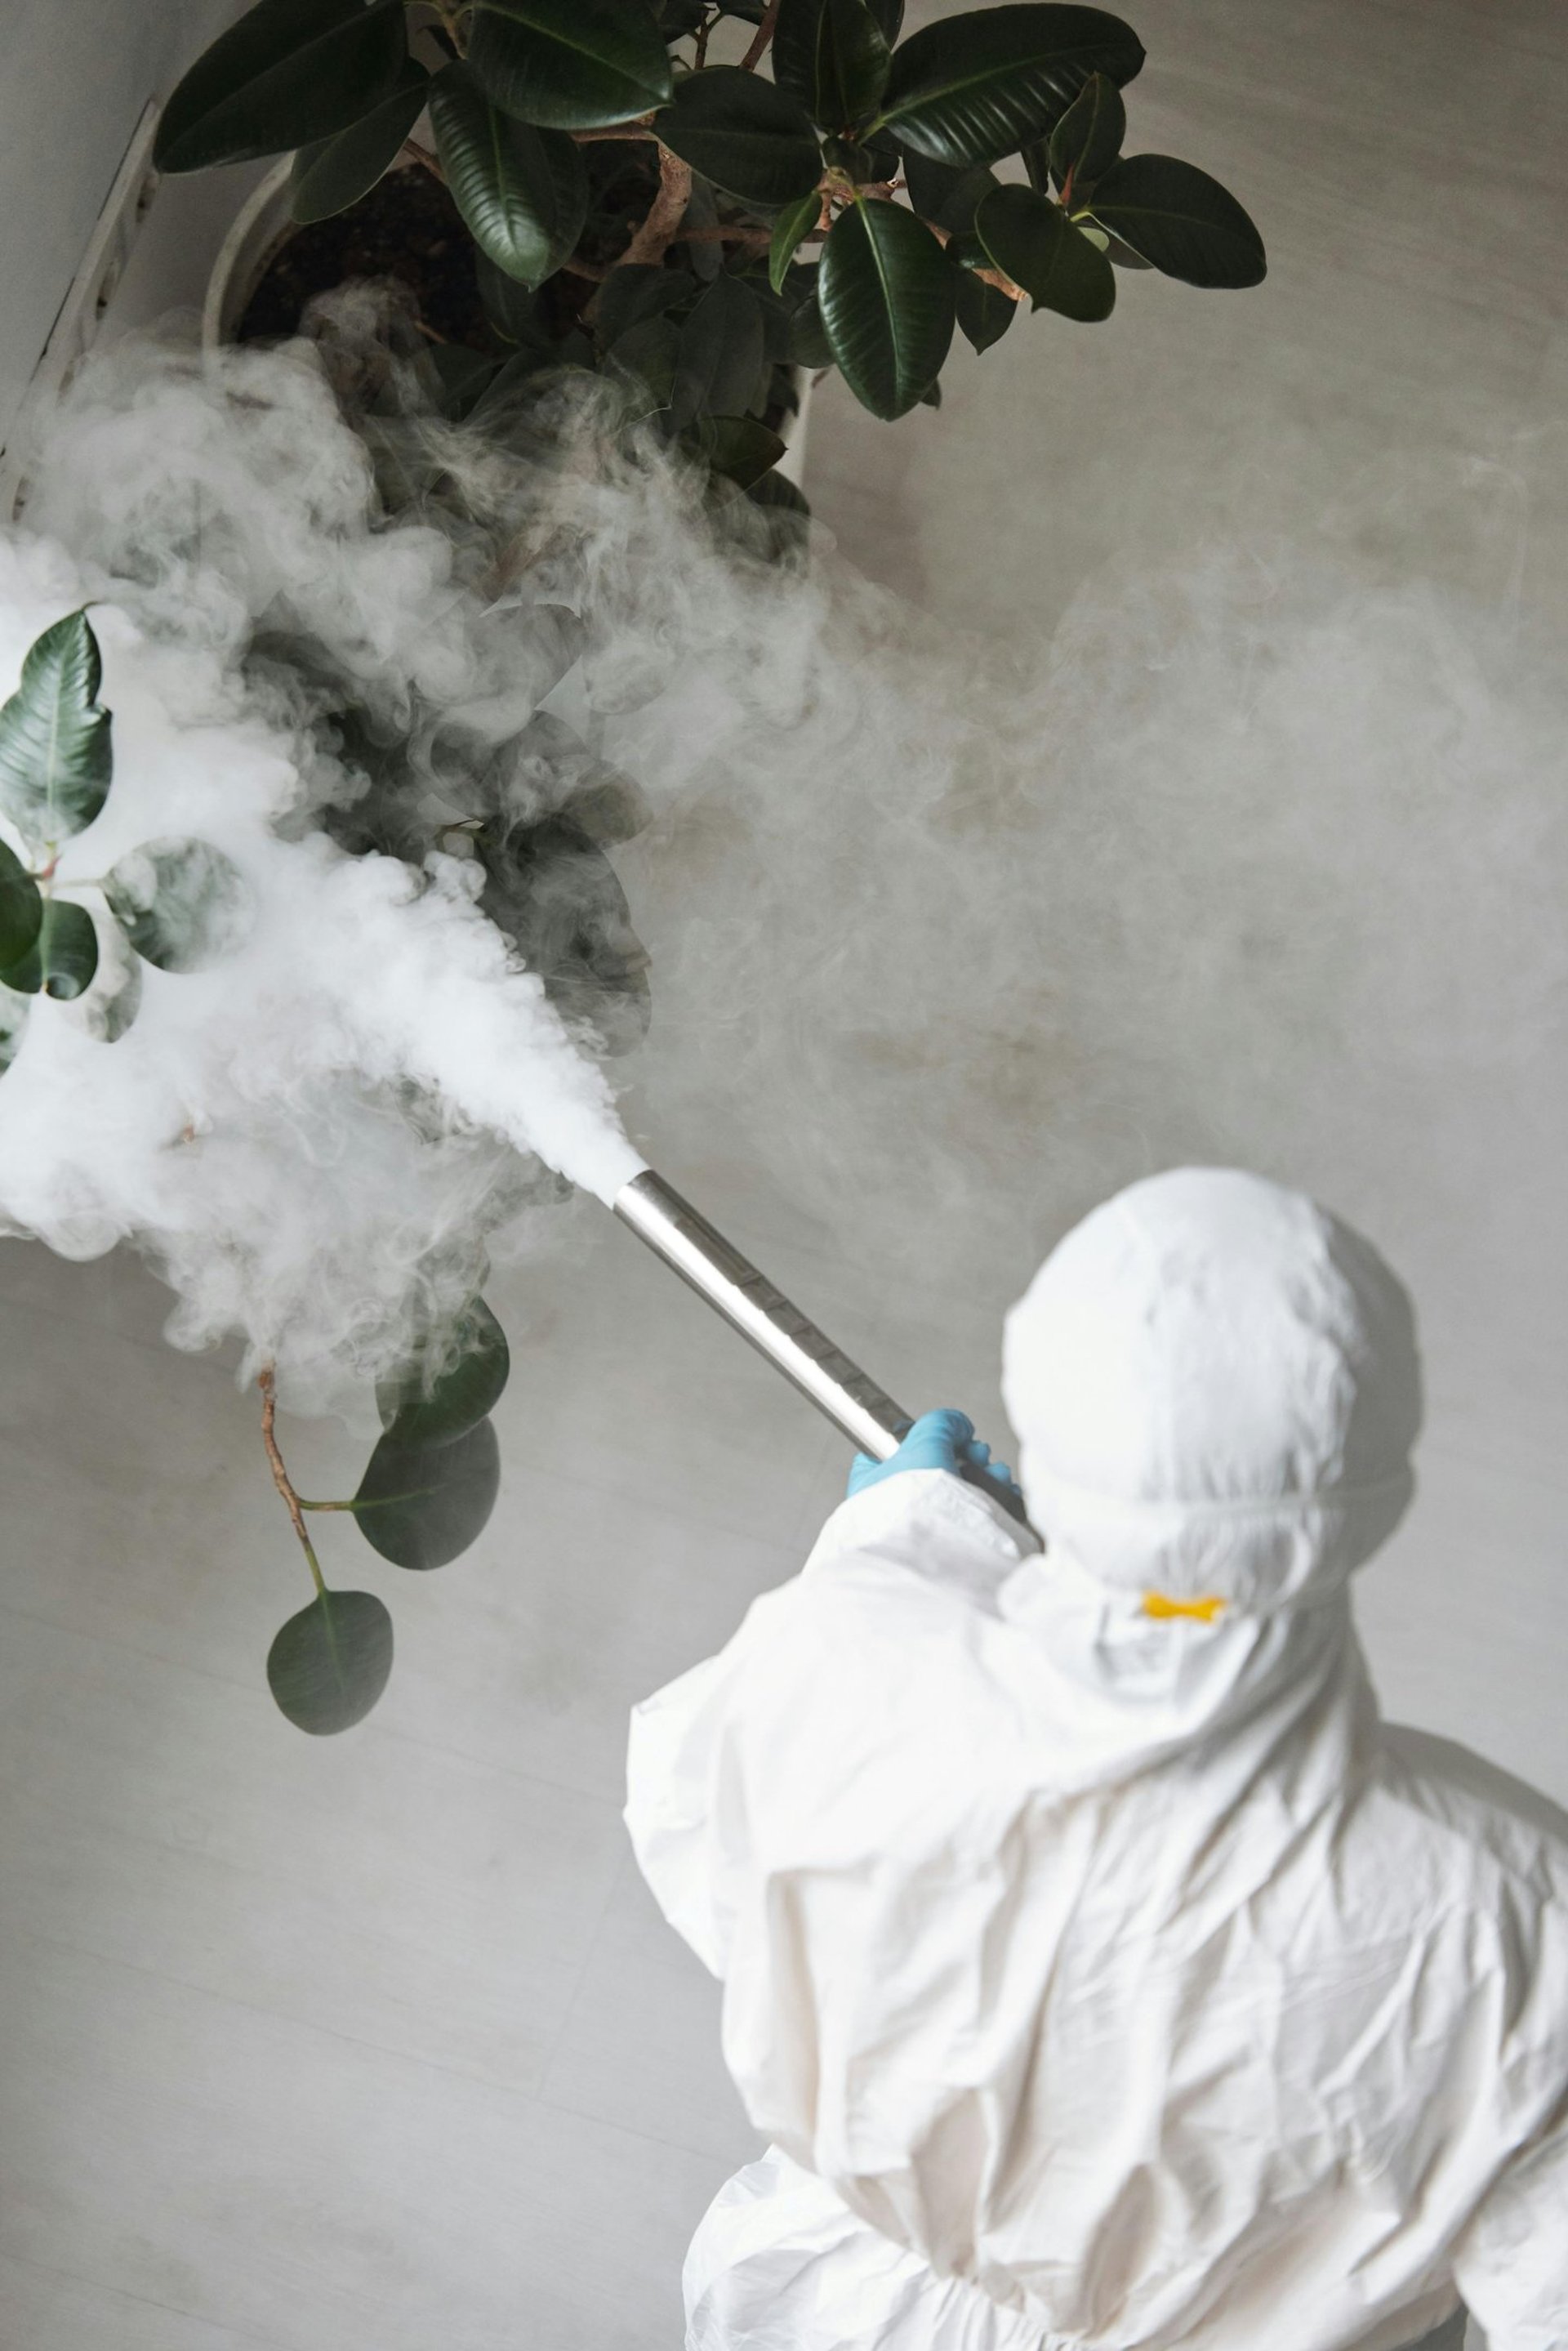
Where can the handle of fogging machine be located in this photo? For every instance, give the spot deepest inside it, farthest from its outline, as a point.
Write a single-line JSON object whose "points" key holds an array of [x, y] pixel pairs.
{"points": [[700, 1253]]}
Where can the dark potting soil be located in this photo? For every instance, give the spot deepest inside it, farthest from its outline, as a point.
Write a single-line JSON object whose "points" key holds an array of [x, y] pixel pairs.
{"points": [[408, 228]]}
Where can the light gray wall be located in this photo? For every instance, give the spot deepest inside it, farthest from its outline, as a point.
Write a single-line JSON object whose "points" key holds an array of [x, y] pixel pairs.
{"points": [[77, 76]]}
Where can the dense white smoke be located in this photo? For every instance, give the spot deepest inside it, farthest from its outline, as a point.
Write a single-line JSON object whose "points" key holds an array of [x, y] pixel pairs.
{"points": [[943, 947]]}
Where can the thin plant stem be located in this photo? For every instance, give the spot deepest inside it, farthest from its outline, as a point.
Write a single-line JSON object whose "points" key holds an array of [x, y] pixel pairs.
{"points": [[761, 37], [266, 1382]]}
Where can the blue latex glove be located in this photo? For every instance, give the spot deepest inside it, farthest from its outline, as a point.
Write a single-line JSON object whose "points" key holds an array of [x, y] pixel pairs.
{"points": [[944, 1439]]}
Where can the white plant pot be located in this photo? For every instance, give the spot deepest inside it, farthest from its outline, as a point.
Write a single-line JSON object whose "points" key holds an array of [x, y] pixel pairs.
{"points": [[263, 222]]}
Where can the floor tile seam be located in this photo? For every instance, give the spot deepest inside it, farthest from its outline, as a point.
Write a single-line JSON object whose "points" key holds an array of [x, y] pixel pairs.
{"points": [[239, 2332], [288, 2017]]}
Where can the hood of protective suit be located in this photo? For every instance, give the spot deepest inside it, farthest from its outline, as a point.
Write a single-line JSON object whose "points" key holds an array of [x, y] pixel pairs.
{"points": [[1216, 1389]]}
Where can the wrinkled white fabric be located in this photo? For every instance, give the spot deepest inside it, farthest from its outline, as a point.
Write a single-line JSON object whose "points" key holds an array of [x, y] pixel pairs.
{"points": [[1106, 1980]]}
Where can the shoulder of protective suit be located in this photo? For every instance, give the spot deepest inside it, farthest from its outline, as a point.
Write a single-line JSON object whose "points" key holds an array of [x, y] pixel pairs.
{"points": [[929, 1523], [1482, 1828]]}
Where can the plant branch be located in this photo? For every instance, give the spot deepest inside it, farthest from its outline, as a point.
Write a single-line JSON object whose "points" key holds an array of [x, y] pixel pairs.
{"points": [[641, 129], [667, 212], [266, 1382], [411, 152], [1003, 284], [761, 37]]}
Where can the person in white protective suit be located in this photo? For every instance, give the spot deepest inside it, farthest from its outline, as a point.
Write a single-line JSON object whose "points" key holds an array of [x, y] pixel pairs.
{"points": [[1104, 1970]]}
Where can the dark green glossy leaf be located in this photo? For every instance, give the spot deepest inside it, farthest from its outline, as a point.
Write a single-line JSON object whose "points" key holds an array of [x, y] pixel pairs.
{"points": [[514, 310], [739, 448], [749, 136], [290, 72], [522, 191], [863, 164], [63, 957], [56, 753], [944, 195], [421, 1505], [552, 890], [330, 174], [971, 89], [985, 312], [788, 230], [329, 1665], [21, 908], [808, 343], [573, 65], [720, 353], [649, 353], [1031, 240], [833, 54], [462, 375], [182, 903], [639, 290], [886, 293], [1089, 139], [452, 1383], [1181, 221]]}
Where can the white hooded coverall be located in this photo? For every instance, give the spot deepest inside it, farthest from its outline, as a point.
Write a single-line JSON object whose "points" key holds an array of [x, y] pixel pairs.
{"points": [[1107, 1977]]}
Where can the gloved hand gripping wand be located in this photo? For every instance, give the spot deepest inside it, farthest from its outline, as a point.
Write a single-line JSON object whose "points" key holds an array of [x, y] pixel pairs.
{"points": [[851, 1399]]}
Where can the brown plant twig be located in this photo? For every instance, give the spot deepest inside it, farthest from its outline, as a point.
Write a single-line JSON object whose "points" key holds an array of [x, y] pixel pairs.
{"points": [[411, 152], [761, 37], [266, 1382], [667, 212], [996, 277], [640, 128]]}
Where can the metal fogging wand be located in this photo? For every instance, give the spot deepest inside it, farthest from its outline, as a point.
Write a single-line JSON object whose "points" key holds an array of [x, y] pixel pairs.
{"points": [[851, 1399]]}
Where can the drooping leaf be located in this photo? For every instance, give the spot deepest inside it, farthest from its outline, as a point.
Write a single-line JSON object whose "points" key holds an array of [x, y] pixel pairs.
{"points": [[21, 908], [943, 194], [1089, 139], [785, 517], [421, 1505], [571, 65], [330, 174], [973, 88], [63, 957], [182, 903], [720, 353], [554, 891], [833, 54], [740, 449], [55, 754], [522, 191], [886, 293], [985, 312], [1031, 240], [328, 1665], [290, 71], [791, 224], [1180, 221], [452, 1383], [749, 136]]}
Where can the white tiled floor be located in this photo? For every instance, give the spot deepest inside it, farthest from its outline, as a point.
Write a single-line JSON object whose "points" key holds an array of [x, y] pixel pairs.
{"points": [[376, 2044]]}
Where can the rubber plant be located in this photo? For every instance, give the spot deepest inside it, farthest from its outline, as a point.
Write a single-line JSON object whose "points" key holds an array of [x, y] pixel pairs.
{"points": [[700, 231], [699, 228]]}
